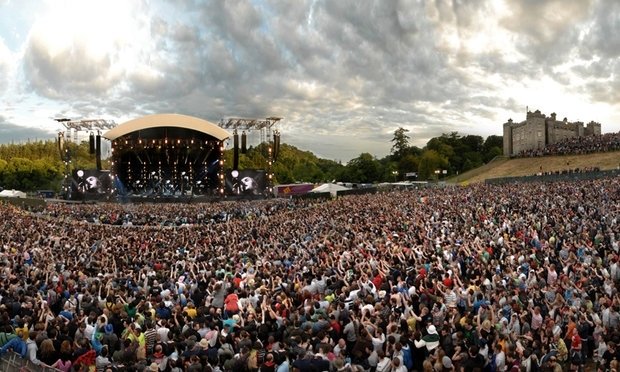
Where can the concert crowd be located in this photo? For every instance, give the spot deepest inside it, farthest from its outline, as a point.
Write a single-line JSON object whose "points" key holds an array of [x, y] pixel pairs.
{"points": [[517, 277], [577, 146]]}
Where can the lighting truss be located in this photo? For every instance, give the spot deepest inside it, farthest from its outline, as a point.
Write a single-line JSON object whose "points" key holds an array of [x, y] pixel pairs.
{"points": [[87, 124], [248, 124]]}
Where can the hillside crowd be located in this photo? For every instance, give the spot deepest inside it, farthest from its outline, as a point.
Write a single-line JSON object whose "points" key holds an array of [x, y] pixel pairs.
{"points": [[578, 146], [519, 277]]}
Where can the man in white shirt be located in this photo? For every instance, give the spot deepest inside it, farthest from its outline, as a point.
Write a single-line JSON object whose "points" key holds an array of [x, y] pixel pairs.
{"points": [[163, 330]]}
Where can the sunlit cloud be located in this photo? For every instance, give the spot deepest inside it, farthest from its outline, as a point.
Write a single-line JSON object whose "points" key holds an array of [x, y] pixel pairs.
{"points": [[343, 74]]}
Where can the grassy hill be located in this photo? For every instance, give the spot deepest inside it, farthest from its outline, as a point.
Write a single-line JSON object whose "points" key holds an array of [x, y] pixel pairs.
{"points": [[503, 167]]}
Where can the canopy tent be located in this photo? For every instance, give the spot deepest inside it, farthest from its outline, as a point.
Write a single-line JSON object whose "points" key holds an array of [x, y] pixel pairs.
{"points": [[12, 194], [331, 188]]}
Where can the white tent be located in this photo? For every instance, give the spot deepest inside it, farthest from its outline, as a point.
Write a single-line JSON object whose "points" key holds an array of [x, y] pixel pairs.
{"points": [[331, 188], [12, 194]]}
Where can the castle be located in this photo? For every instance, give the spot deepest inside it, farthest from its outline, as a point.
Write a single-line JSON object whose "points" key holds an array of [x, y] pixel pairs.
{"points": [[538, 131]]}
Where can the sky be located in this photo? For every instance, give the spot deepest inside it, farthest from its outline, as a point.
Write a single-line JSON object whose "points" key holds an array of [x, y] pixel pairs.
{"points": [[343, 74]]}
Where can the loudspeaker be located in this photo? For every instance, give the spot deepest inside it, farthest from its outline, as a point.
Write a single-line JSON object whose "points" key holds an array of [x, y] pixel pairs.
{"points": [[235, 151], [276, 145], [98, 151], [244, 140], [61, 145], [91, 142]]}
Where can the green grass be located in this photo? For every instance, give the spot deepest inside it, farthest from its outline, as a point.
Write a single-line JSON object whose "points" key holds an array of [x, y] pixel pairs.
{"points": [[503, 167]]}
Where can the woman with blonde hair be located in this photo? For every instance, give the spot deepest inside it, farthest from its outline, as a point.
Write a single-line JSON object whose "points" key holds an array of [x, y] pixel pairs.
{"points": [[47, 352], [427, 366]]}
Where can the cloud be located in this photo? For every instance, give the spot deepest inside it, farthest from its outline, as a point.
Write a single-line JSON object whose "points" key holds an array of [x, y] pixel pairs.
{"points": [[71, 72], [13, 133], [343, 74], [5, 65], [602, 37]]}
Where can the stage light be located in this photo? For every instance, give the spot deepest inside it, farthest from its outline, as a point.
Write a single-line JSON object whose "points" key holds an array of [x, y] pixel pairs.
{"points": [[183, 173], [235, 173]]}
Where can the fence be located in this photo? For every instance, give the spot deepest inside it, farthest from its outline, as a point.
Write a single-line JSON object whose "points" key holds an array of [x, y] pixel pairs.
{"points": [[568, 176], [13, 362]]}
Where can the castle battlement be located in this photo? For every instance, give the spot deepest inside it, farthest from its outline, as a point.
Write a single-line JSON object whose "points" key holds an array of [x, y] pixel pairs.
{"points": [[539, 130]]}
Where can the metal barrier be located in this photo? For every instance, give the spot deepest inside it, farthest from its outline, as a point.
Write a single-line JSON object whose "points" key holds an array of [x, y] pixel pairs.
{"points": [[568, 176], [13, 362]]}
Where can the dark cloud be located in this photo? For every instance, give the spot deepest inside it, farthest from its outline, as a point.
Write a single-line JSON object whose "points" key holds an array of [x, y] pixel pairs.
{"points": [[602, 39], [343, 74], [13, 133]]}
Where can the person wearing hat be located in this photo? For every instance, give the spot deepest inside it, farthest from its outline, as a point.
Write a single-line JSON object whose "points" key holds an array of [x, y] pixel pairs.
{"points": [[430, 340], [153, 367], [446, 364], [109, 338]]}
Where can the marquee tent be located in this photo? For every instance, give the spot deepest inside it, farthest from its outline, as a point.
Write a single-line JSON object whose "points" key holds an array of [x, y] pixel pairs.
{"points": [[12, 194], [331, 188]]}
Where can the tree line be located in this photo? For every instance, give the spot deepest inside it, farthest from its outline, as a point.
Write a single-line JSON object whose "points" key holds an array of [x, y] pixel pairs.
{"points": [[38, 166], [449, 152]]}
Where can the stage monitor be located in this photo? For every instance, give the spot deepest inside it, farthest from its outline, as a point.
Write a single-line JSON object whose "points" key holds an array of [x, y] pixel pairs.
{"points": [[246, 182]]}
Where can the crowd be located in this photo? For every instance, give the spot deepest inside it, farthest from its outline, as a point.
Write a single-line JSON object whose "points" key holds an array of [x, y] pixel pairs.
{"points": [[518, 277], [578, 146], [167, 214], [567, 171]]}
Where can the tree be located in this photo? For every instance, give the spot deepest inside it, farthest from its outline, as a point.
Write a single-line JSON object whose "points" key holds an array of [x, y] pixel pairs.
{"points": [[401, 142], [431, 161], [408, 164], [363, 169], [492, 147]]}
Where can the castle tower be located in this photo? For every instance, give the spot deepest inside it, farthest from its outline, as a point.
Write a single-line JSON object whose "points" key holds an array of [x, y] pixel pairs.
{"points": [[508, 138]]}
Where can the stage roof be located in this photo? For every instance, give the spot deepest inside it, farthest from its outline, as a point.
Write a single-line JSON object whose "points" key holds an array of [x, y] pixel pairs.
{"points": [[167, 120]]}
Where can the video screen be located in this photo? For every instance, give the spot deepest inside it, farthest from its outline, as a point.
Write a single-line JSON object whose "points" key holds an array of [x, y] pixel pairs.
{"points": [[91, 181], [246, 182]]}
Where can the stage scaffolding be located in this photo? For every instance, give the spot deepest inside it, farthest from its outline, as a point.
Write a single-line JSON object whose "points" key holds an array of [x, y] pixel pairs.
{"points": [[267, 134]]}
